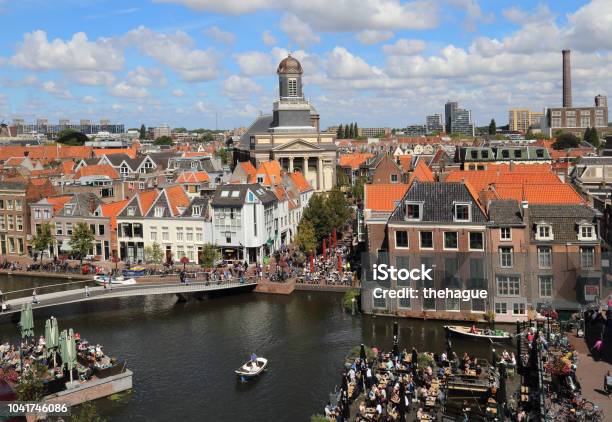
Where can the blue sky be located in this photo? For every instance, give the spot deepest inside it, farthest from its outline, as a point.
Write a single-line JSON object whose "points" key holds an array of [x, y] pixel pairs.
{"points": [[377, 62]]}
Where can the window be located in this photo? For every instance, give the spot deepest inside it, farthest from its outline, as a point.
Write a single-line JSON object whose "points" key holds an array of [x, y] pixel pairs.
{"points": [[379, 303], [413, 211], [501, 308], [224, 194], [508, 285], [59, 229], [585, 121], [159, 211], [19, 222], [476, 241], [141, 185], [131, 211], [9, 204], [37, 214], [462, 212], [394, 178], [544, 257], [587, 232], [197, 210], [11, 222], [426, 240], [260, 179], [401, 239], [165, 234], [544, 232], [587, 257], [505, 153], [189, 234], [505, 257], [199, 236], [47, 214], [505, 233], [293, 87], [1, 204], [69, 229], [518, 309], [101, 229], [179, 234], [153, 235], [545, 282], [92, 228], [450, 240]]}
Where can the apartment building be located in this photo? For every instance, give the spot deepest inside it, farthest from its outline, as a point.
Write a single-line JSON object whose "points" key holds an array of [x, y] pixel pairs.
{"points": [[521, 119]]}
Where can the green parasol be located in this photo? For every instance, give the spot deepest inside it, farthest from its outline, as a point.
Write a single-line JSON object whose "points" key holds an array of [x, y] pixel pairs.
{"points": [[71, 353], [27, 321], [51, 337]]}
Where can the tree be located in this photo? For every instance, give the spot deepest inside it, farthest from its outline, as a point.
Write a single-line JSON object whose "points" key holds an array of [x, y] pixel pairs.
{"points": [[43, 239], [71, 137], [338, 208], [87, 413], [207, 137], [318, 214], [306, 238], [81, 240], [30, 387], [143, 132], [163, 140], [179, 130], [358, 188], [353, 131], [537, 136], [347, 132], [209, 255], [492, 127], [340, 132], [566, 140], [356, 130], [342, 179], [223, 154], [591, 136], [154, 253]]}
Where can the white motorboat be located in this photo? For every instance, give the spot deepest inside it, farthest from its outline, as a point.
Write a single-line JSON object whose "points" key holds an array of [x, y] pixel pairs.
{"points": [[252, 368], [479, 333], [122, 281]]}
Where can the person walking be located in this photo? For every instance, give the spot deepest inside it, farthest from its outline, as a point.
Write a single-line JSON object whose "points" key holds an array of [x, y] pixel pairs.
{"points": [[86, 291], [34, 299]]}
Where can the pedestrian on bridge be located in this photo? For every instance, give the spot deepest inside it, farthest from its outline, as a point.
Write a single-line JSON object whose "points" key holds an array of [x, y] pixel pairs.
{"points": [[34, 299], [86, 291]]}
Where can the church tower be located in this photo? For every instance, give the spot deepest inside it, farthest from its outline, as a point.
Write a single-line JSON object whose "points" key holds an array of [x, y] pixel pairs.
{"points": [[290, 79], [291, 110]]}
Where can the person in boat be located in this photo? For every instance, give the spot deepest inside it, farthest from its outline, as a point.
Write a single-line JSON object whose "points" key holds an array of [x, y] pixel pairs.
{"points": [[473, 329], [488, 331]]}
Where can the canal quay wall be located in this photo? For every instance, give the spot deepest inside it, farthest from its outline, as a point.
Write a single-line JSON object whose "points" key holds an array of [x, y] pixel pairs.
{"points": [[39, 274]]}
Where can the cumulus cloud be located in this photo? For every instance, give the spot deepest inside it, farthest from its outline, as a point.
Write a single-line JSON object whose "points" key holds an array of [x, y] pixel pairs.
{"points": [[78, 53], [219, 35], [178, 93], [404, 47], [343, 64], [372, 36], [254, 63], [141, 76], [55, 90], [92, 77], [298, 30], [268, 38], [175, 50], [88, 99], [239, 87], [124, 90]]}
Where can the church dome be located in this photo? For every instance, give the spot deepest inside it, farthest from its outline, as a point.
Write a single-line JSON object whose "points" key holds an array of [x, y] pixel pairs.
{"points": [[289, 65]]}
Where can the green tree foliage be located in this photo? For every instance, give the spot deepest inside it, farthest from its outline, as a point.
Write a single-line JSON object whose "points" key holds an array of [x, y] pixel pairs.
{"points": [[179, 130], [87, 413], [591, 136], [207, 137], [538, 136], [347, 132], [43, 239], [209, 255], [566, 140], [81, 240], [306, 238], [154, 253], [352, 130], [30, 387], [492, 127], [317, 213], [358, 188], [340, 132], [342, 179], [163, 140], [356, 130], [71, 137], [223, 154], [338, 208], [143, 132]]}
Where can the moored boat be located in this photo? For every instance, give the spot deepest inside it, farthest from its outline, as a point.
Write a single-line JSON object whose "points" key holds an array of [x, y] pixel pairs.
{"points": [[478, 333], [252, 368], [104, 279], [134, 272]]}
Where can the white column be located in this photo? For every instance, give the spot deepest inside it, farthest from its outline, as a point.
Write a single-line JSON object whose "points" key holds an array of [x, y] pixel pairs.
{"points": [[320, 181], [290, 164], [305, 168]]}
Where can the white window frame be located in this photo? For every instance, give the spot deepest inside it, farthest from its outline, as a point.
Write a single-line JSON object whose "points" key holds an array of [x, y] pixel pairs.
{"points": [[445, 246], [470, 241], [502, 254], [506, 281], [462, 204], [584, 227], [502, 309], [420, 208], [540, 284], [407, 239], [501, 234], [421, 240], [522, 309], [541, 227]]}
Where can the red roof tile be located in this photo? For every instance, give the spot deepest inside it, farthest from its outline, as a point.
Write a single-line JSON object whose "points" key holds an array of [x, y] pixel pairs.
{"points": [[383, 196]]}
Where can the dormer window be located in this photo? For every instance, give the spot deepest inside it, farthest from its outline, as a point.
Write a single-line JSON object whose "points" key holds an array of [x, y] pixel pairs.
{"points": [[586, 232], [462, 212], [517, 153], [474, 154], [197, 210], [260, 179], [414, 211], [485, 154], [505, 153], [540, 153], [159, 211], [544, 232], [131, 211]]}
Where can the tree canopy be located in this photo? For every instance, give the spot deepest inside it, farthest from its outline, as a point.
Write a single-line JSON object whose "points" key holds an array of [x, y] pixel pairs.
{"points": [[566, 140], [327, 213], [43, 239], [591, 136], [208, 256], [143, 132], [492, 127], [71, 137], [306, 238], [163, 140], [154, 253], [81, 240]]}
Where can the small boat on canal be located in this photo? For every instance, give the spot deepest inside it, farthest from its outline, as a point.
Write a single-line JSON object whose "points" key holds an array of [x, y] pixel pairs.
{"points": [[252, 368], [134, 272], [478, 333], [121, 281]]}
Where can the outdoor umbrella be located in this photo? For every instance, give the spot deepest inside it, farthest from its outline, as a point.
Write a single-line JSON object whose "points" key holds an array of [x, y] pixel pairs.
{"points": [[339, 263], [334, 238], [27, 321], [324, 248], [401, 407], [62, 346], [312, 266], [51, 337]]}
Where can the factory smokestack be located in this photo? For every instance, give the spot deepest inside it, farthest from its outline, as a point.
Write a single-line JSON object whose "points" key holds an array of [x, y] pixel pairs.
{"points": [[567, 79]]}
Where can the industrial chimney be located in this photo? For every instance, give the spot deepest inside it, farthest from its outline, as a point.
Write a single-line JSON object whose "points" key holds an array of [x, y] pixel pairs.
{"points": [[567, 79]]}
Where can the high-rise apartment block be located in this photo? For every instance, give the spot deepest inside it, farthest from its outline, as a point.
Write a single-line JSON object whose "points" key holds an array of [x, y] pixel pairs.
{"points": [[458, 120], [434, 123], [521, 119]]}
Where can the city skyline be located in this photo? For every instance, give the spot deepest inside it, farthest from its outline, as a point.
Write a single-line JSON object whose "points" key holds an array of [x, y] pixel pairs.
{"points": [[194, 63]]}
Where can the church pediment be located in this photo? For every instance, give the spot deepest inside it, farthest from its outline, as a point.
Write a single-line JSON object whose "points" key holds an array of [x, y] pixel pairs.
{"points": [[298, 145]]}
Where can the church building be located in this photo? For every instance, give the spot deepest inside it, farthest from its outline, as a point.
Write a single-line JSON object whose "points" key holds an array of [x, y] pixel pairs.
{"points": [[291, 134]]}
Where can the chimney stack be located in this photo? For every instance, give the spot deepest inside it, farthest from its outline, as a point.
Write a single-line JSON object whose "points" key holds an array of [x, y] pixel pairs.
{"points": [[567, 79]]}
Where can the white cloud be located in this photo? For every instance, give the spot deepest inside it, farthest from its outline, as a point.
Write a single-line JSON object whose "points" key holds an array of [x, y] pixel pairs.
{"points": [[521, 17], [78, 53], [219, 35], [92, 77], [141, 76], [343, 64], [88, 99], [201, 107], [404, 47], [123, 89], [175, 51], [254, 63], [57, 91], [473, 13], [239, 87], [178, 93], [298, 30], [590, 27], [117, 107], [372, 36], [268, 38], [234, 7]]}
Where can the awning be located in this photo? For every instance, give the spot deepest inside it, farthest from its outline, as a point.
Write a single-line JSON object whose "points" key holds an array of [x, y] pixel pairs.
{"points": [[65, 246]]}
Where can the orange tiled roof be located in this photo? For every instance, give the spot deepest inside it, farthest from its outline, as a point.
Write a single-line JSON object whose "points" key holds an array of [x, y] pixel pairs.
{"points": [[383, 196], [177, 197], [188, 154], [97, 170], [248, 168], [38, 182], [271, 170], [354, 160], [58, 201], [422, 173], [112, 210], [146, 199], [67, 167], [55, 171], [300, 181], [132, 152], [52, 152], [481, 179], [405, 161], [520, 168], [561, 193], [193, 177]]}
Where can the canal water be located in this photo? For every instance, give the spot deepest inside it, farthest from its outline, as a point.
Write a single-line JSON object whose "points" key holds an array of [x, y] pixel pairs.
{"points": [[183, 354]]}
